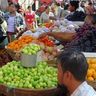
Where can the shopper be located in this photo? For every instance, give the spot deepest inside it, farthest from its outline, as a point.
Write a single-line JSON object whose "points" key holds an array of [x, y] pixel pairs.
{"points": [[75, 13], [14, 21], [44, 18], [72, 71], [2, 33], [30, 17], [60, 9]]}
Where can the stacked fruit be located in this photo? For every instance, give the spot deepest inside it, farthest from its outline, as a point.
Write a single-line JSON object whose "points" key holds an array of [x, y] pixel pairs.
{"points": [[91, 75], [17, 45], [31, 49], [47, 41], [40, 77], [48, 25]]}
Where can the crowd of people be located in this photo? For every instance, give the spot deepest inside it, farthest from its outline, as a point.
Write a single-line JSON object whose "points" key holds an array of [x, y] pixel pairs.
{"points": [[18, 18]]}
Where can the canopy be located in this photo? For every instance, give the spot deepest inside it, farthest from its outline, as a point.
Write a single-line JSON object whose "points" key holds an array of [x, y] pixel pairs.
{"points": [[46, 1], [15, 1], [59, 1]]}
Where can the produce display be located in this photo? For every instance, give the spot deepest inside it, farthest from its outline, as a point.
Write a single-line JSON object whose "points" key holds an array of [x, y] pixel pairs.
{"points": [[91, 75], [31, 49], [47, 41], [64, 25], [17, 45], [48, 25], [49, 53], [40, 77]]}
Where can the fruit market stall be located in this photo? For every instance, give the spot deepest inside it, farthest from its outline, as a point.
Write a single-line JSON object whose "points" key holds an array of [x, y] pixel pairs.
{"points": [[38, 81], [31, 74]]}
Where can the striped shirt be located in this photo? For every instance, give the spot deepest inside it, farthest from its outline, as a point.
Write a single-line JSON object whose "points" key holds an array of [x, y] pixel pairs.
{"points": [[84, 90]]}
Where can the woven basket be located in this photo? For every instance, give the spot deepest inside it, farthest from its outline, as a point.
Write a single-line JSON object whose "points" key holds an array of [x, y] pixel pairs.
{"points": [[3, 90], [30, 92], [14, 54]]}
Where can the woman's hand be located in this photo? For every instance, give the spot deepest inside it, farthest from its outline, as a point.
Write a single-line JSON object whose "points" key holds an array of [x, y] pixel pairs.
{"points": [[42, 35]]}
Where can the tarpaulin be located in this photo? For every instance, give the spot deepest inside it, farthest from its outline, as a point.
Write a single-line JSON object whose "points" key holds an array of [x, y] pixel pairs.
{"points": [[59, 1], [15, 1], [46, 1]]}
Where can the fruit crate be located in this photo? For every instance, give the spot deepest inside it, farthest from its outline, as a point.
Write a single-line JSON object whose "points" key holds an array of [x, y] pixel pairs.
{"points": [[91, 55], [6, 91]]}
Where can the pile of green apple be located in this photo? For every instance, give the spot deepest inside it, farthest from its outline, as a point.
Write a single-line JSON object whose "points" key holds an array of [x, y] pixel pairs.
{"points": [[40, 77], [31, 49]]}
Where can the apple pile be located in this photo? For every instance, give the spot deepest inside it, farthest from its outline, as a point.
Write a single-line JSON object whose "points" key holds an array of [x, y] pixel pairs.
{"points": [[40, 77], [31, 49]]}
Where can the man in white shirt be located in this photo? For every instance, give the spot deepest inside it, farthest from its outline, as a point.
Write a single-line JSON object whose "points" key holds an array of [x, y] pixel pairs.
{"points": [[72, 70], [44, 18]]}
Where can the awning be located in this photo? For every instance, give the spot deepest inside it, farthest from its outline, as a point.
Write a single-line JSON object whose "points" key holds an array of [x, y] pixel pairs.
{"points": [[46, 1], [59, 1], [15, 1]]}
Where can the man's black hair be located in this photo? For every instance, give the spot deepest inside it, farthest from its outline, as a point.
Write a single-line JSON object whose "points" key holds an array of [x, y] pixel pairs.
{"points": [[75, 62], [75, 4], [28, 7], [46, 7], [94, 18], [11, 3]]}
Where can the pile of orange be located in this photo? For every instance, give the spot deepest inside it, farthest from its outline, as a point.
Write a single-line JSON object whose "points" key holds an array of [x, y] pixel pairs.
{"points": [[16, 45], [91, 74], [48, 25]]}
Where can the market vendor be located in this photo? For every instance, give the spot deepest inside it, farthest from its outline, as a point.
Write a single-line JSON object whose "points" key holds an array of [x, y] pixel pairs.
{"points": [[72, 71], [75, 13], [14, 21], [84, 39]]}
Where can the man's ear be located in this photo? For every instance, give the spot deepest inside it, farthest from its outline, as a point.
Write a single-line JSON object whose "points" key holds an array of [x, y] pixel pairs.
{"points": [[69, 75]]}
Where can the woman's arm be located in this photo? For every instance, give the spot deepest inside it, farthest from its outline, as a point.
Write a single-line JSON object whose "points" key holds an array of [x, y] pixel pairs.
{"points": [[60, 35]]}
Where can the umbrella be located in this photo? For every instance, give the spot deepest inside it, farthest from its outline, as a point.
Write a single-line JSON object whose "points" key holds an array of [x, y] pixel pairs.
{"points": [[46, 1], [59, 1]]}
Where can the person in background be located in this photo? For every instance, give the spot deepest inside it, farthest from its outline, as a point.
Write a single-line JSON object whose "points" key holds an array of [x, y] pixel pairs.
{"points": [[30, 17], [60, 9], [3, 27], [44, 18], [89, 8], [14, 21], [75, 13], [52, 12], [72, 71]]}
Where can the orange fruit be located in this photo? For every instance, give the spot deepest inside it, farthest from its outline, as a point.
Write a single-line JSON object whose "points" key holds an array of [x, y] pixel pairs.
{"points": [[90, 79]]}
